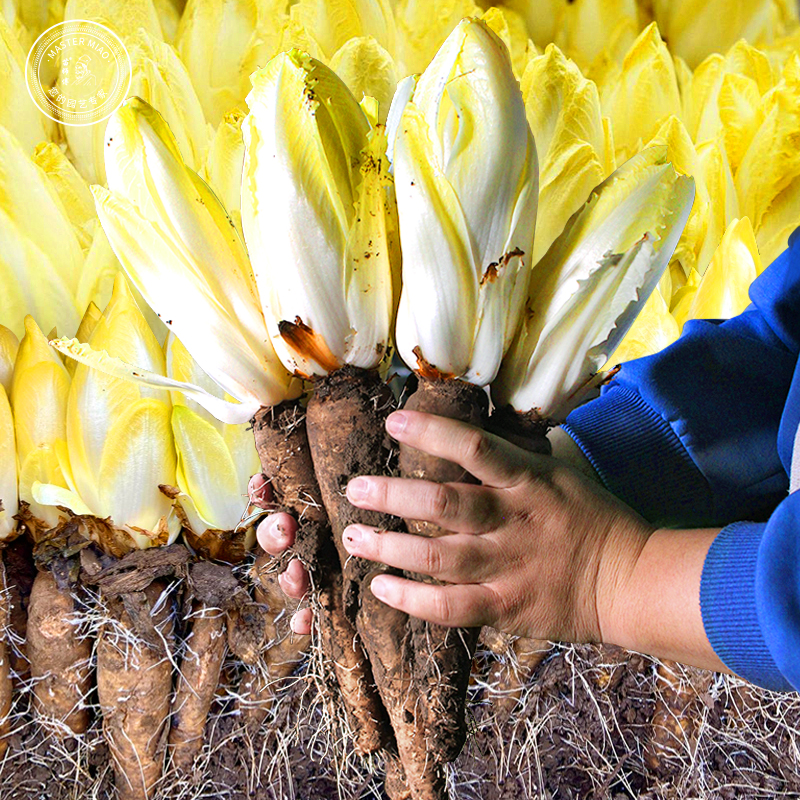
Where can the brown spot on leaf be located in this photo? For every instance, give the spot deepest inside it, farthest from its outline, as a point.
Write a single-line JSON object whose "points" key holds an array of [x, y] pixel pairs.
{"points": [[490, 276], [493, 270]]}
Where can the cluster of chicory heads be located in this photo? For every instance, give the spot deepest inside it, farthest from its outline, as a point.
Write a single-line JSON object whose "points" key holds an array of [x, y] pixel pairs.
{"points": [[338, 230]]}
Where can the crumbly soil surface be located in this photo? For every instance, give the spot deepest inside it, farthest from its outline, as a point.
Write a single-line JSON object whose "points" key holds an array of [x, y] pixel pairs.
{"points": [[580, 730]]}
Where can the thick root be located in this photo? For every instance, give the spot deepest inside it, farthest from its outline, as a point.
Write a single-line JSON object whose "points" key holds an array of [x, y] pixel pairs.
{"points": [[365, 712], [345, 422], [517, 660], [677, 716], [443, 656], [6, 685], [60, 656], [197, 684], [422, 775], [282, 442], [134, 684]]}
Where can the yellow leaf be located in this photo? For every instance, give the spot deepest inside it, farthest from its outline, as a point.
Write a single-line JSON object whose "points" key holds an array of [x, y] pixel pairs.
{"points": [[644, 95], [138, 455], [8, 470], [723, 291], [9, 345], [206, 471], [654, 329]]}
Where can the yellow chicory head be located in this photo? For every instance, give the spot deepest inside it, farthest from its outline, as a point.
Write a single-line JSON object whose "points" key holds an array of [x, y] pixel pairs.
{"points": [[30, 204], [695, 29], [224, 162], [723, 290], [322, 27], [573, 142], [9, 504], [641, 94], [39, 394], [159, 77], [215, 460], [215, 40], [587, 290], [422, 26], [768, 178], [119, 444], [9, 346], [316, 212], [183, 253], [466, 180], [17, 113], [368, 70]]}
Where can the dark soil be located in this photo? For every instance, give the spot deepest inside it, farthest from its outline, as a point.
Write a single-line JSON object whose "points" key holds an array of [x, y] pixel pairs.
{"points": [[580, 731]]}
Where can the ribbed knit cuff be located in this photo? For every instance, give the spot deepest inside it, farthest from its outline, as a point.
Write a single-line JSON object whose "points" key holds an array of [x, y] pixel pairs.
{"points": [[728, 606], [640, 458]]}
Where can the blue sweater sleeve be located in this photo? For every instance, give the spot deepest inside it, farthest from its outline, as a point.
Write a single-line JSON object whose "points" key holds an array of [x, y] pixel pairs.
{"points": [[701, 434], [689, 436], [750, 598]]}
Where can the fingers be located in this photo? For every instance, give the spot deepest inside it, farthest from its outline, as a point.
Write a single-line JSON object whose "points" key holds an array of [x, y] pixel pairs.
{"points": [[259, 492], [492, 460], [455, 606], [294, 580], [276, 533], [457, 507], [301, 621], [457, 558]]}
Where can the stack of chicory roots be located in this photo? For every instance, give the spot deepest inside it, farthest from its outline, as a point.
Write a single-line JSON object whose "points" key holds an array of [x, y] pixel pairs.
{"points": [[150, 632]]}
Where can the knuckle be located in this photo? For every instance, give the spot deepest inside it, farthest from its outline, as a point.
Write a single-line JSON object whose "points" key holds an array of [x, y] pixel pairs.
{"points": [[431, 557], [444, 502], [442, 606], [478, 445], [378, 492], [501, 606], [374, 547]]}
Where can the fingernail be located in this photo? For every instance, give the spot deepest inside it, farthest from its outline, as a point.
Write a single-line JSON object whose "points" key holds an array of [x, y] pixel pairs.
{"points": [[289, 578], [379, 587], [353, 535], [277, 531], [396, 422], [358, 489]]}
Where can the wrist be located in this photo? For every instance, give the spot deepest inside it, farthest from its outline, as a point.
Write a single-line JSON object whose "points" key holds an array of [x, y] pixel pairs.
{"points": [[651, 599], [616, 597]]}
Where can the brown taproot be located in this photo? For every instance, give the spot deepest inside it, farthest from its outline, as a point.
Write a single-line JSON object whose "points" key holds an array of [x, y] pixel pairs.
{"points": [[346, 433], [442, 656], [282, 442], [59, 652], [134, 685]]}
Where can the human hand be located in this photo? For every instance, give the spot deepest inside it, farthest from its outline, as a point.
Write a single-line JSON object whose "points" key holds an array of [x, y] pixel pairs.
{"points": [[537, 550], [526, 547]]}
